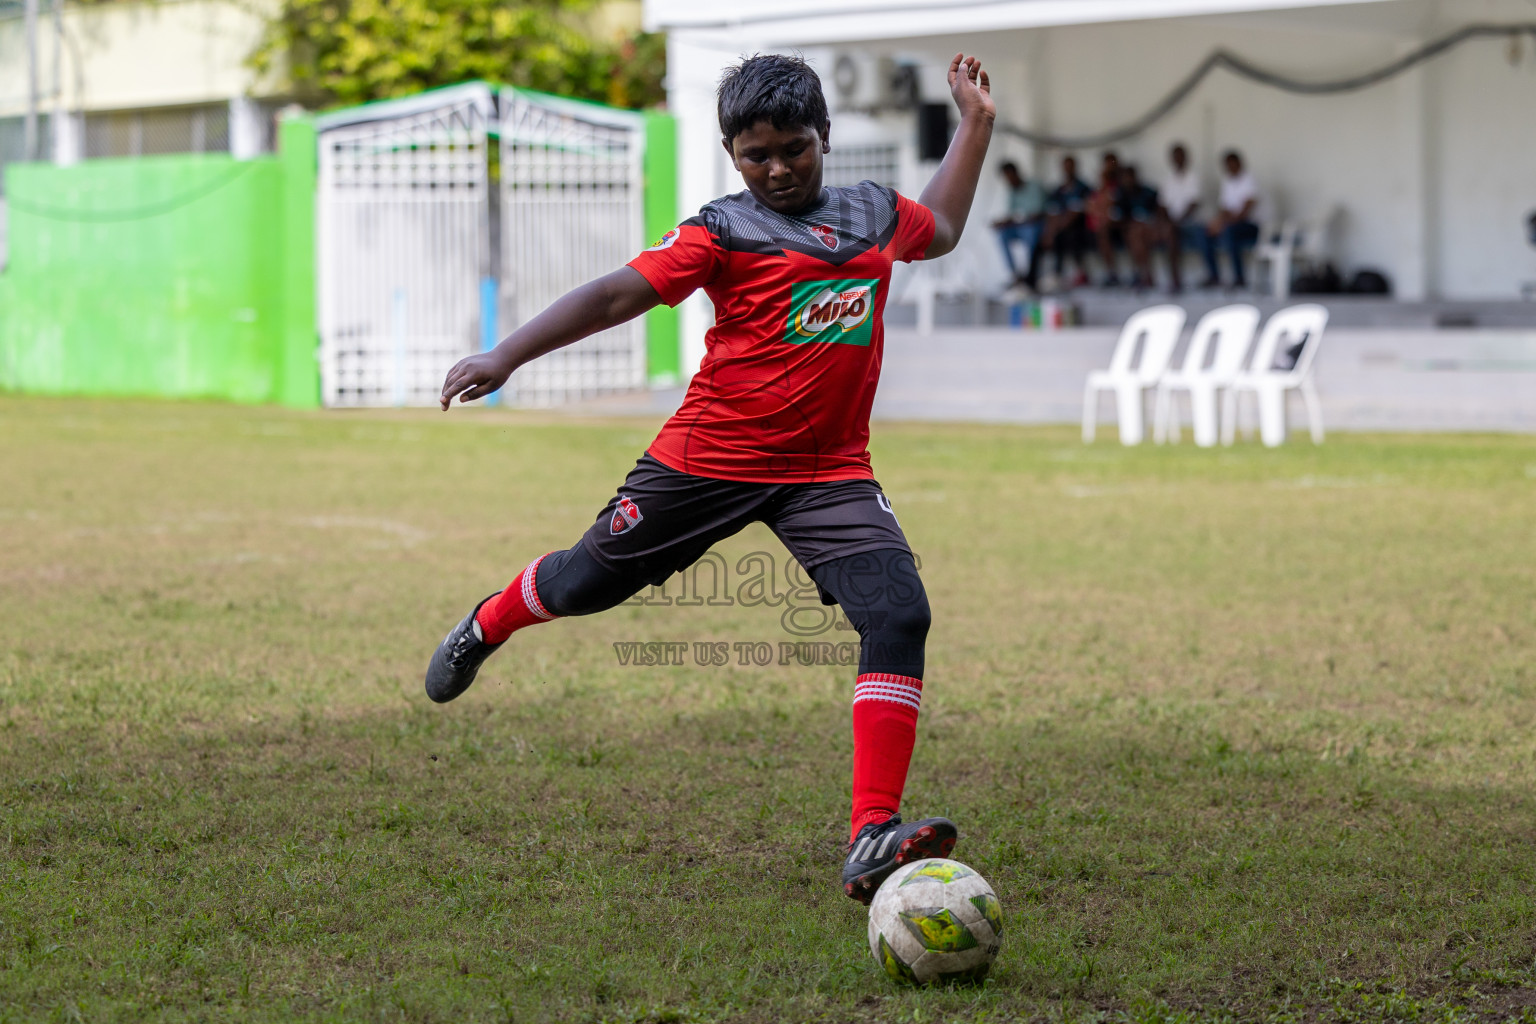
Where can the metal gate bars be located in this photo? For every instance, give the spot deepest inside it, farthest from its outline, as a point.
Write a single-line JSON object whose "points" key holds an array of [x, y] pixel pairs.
{"points": [[446, 219]]}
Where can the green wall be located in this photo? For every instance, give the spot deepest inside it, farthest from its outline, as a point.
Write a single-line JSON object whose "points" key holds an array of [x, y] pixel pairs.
{"points": [[663, 339], [193, 276], [184, 276]]}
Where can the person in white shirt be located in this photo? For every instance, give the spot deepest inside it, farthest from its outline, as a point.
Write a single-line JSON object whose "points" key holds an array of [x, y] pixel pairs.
{"points": [[1183, 228], [1235, 228]]}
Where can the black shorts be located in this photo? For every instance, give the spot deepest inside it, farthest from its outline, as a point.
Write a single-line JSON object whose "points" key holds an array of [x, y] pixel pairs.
{"points": [[662, 520]]}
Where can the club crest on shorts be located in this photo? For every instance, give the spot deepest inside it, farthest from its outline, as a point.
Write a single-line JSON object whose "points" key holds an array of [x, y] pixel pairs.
{"points": [[827, 235], [625, 515]]}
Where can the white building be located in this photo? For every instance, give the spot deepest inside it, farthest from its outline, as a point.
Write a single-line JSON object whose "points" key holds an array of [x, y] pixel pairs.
{"points": [[131, 79], [139, 77], [1429, 176]]}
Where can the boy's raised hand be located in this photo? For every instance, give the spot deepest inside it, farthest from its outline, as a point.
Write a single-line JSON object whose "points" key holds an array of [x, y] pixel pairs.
{"points": [[971, 87], [949, 192]]}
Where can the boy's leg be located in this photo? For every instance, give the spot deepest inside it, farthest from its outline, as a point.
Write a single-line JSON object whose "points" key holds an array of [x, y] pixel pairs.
{"points": [[555, 585], [552, 586], [847, 537], [660, 521], [883, 597]]}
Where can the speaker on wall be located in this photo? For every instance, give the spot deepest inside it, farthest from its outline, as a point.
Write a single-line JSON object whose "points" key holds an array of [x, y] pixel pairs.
{"points": [[933, 130]]}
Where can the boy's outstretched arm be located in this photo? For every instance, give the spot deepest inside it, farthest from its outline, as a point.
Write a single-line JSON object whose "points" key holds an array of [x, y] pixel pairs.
{"points": [[950, 192], [595, 306]]}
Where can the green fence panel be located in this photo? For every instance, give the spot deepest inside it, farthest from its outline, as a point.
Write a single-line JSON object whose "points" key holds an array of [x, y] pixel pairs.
{"points": [[159, 276], [299, 383], [663, 337]]}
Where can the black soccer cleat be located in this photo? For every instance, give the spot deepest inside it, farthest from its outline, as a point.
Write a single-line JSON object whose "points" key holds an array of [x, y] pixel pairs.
{"points": [[882, 847], [458, 658]]}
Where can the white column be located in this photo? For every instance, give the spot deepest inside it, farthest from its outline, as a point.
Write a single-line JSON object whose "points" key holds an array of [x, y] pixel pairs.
{"points": [[245, 128], [693, 71], [68, 137], [1417, 239], [29, 146]]}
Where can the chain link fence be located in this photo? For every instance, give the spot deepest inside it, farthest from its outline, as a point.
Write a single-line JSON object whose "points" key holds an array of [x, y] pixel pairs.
{"points": [[196, 129]]}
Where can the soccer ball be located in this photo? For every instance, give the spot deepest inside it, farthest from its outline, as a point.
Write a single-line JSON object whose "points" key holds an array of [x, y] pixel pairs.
{"points": [[935, 921]]}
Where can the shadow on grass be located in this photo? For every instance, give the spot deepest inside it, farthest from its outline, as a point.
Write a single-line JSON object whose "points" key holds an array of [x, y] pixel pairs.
{"points": [[524, 862]]}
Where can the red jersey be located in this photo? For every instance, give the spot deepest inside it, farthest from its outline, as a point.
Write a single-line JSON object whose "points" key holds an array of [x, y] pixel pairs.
{"points": [[790, 366]]}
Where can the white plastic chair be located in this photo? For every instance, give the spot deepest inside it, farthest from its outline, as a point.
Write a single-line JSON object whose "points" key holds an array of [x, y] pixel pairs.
{"points": [[1157, 328], [1277, 247], [1303, 324], [1232, 329], [1293, 244]]}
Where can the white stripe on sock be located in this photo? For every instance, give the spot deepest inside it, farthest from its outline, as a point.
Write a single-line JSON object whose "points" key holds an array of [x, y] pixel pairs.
{"points": [[897, 693], [531, 591]]}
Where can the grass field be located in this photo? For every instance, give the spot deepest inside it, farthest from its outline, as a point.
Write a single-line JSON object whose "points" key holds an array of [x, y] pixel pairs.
{"points": [[1241, 734]]}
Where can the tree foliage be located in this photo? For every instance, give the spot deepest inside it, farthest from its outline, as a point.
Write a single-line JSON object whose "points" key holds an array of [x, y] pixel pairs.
{"points": [[353, 51]]}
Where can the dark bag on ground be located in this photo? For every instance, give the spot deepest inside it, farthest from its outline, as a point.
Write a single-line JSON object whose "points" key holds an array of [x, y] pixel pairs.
{"points": [[1322, 280], [1370, 282]]}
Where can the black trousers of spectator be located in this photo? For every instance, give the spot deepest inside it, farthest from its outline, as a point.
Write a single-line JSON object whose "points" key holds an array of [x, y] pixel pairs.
{"points": [[1074, 240]]}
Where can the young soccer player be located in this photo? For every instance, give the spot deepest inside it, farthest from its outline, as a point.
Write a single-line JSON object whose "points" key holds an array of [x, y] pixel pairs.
{"points": [[775, 424]]}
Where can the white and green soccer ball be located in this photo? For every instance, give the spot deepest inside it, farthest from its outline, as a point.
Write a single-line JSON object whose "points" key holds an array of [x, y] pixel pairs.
{"points": [[935, 921]]}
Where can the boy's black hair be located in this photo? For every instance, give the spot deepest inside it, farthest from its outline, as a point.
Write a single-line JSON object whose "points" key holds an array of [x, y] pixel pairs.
{"points": [[782, 90], [1010, 166]]}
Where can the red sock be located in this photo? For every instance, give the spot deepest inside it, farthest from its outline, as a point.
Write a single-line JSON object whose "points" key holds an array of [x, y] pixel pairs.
{"points": [[513, 608], [884, 730]]}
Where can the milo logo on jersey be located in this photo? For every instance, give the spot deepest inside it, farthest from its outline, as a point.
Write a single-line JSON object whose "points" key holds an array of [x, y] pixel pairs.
{"points": [[832, 311]]}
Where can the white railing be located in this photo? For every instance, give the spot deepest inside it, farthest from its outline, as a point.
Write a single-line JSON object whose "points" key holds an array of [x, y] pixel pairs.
{"points": [[404, 242], [572, 209]]}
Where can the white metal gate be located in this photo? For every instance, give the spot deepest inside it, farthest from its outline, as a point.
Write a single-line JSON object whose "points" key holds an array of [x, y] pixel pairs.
{"points": [[572, 209], [404, 243], [423, 258]]}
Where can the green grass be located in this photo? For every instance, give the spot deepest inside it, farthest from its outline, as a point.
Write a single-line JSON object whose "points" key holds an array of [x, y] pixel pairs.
{"points": [[1236, 734]]}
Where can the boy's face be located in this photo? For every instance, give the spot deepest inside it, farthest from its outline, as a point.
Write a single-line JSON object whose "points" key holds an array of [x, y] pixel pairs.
{"points": [[781, 166]]}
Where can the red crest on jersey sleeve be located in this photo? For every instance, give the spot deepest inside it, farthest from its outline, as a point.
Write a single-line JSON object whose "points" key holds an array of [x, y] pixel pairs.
{"points": [[914, 229], [684, 259]]}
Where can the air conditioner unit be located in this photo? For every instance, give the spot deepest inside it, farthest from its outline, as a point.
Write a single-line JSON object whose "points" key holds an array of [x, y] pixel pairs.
{"points": [[863, 81]]}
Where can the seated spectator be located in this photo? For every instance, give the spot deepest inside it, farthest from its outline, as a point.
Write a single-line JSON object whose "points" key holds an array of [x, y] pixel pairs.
{"points": [[1235, 228], [1137, 212], [1100, 218], [1025, 223], [1182, 227], [1066, 229]]}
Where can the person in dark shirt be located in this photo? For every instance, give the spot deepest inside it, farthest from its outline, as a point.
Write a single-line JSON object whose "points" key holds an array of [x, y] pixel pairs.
{"points": [[1137, 212], [1066, 225], [1100, 220]]}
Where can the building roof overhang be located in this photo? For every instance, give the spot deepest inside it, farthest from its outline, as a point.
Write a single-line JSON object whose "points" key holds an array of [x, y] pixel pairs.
{"points": [[799, 22]]}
